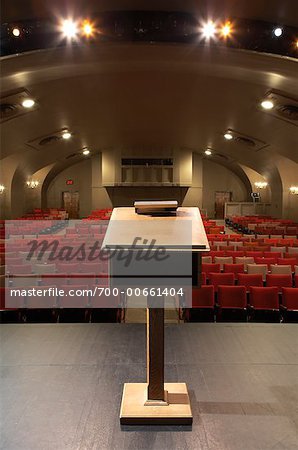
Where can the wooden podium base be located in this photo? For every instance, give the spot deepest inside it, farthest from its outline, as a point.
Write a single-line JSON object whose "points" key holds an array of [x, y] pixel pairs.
{"points": [[136, 410]]}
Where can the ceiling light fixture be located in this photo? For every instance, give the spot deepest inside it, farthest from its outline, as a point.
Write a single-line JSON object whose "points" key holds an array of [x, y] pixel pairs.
{"points": [[69, 28], [66, 135], [87, 29], [16, 32], [267, 104], [28, 103], [208, 152], [261, 184], [228, 136], [209, 30], [277, 31], [86, 152], [226, 30]]}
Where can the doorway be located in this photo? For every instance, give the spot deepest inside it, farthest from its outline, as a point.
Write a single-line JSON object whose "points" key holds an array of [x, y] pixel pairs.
{"points": [[220, 199], [70, 202]]}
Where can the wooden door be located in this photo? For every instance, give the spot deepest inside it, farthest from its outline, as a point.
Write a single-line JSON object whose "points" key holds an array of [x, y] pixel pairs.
{"points": [[70, 202], [220, 199]]}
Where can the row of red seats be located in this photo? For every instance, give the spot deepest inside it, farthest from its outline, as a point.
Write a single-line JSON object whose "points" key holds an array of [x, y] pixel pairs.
{"points": [[236, 298], [248, 280]]}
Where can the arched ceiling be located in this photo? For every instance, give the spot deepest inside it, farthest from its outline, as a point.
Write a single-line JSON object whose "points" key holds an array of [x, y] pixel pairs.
{"points": [[149, 98]]}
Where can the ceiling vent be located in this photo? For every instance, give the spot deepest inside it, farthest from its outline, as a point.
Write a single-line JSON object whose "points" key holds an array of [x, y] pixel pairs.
{"points": [[285, 107], [289, 112], [11, 105], [221, 156], [245, 141], [49, 140], [72, 156], [7, 110]]}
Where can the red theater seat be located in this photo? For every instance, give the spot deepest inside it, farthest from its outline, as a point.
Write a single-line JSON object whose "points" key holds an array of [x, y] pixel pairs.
{"points": [[223, 279], [290, 298], [208, 268], [232, 297], [234, 268], [250, 279], [264, 298], [279, 281]]}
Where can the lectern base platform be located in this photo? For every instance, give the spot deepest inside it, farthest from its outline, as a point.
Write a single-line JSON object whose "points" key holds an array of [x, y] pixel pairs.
{"points": [[134, 411]]}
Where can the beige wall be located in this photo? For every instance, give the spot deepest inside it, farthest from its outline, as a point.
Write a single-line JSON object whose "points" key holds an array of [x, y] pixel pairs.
{"points": [[219, 178], [81, 175]]}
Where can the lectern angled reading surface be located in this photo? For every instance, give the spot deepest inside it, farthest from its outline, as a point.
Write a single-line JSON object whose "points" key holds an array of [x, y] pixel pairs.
{"points": [[182, 235]]}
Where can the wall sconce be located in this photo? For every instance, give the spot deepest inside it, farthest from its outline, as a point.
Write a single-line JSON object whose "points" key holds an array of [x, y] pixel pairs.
{"points": [[261, 184], [32, 184], [294, 190], [2, 189]]}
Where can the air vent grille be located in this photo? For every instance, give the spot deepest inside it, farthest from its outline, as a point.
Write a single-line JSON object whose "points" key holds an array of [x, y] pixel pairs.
{"points": [[11, 105], [285, 108], [49, 140]]}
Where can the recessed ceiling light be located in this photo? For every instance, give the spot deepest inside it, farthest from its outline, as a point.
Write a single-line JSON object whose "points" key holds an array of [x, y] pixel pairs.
{"points": [[209, 30], [226, 30], [278, 31], [208, 152], [87, 28], [267, 104], [69, 28], [66, 135], [86, 152], [16, 32], [28, 103], [228, 136]]}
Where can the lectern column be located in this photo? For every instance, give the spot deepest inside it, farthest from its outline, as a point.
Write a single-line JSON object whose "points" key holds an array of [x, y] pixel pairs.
{"points": [[155, 354]]}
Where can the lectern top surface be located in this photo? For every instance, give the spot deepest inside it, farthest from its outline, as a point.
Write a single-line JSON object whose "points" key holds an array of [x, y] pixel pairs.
{"points": [[182, 231]]}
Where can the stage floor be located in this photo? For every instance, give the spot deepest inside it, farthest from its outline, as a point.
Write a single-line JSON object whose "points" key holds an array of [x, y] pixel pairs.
{"points": [[61, 386]]}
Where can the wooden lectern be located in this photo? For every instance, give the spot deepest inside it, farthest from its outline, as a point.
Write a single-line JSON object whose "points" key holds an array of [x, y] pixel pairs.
{"points": [[156, 402]]}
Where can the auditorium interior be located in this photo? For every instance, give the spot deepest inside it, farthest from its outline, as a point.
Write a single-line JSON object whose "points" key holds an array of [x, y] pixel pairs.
{"points": [[190, 106]]}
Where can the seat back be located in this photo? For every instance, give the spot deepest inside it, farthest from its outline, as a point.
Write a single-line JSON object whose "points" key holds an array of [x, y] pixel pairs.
{"points": [[234, 268], [223, 260], [203, 297], [208, 268], [279, 280], [264, 298], [287, 261], [290, 298], [232, 297], [258, 268], [281, 269], [250, 279], [224, 279], [244, 260]]}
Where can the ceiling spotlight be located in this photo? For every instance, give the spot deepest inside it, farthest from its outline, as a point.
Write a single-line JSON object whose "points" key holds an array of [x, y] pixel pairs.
{"points": [[28, 103], [87, 28], [267, 104], [208, 152], [277, 31], [69, 28], [86, 152], [209, 30], [66, 135], [16, 32], [228, 136], [226, 30]]}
